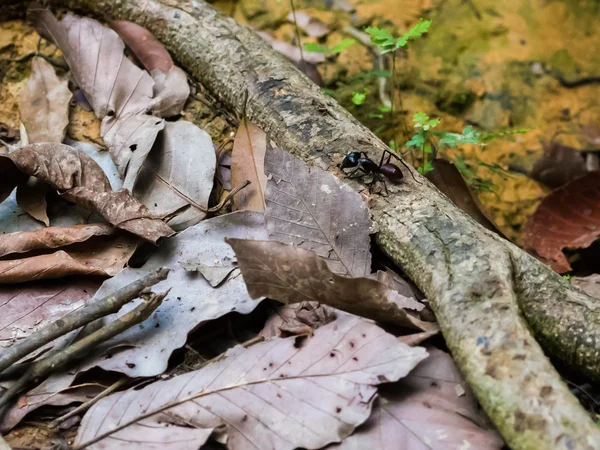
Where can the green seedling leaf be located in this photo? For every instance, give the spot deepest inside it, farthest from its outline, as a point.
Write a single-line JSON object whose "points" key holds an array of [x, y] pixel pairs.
{"points": [[385, 109], [375, 116], [417, 140], [426, 168], [358, 98], [315, 48], [489, 137], [381, 38], [318, 48], [420, 28]]}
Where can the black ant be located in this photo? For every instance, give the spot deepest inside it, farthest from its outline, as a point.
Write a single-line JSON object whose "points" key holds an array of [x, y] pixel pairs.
{"points": [[360, 161]]}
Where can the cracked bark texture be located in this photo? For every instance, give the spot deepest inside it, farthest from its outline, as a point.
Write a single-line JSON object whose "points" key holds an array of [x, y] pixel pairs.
{"points": [[481, 287]]}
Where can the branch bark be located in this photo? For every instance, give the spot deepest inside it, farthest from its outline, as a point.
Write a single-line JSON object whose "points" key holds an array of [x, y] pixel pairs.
{"points": [[481, 287]]}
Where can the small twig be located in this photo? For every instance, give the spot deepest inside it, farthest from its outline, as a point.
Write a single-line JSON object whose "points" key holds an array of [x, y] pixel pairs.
{"points": [[229, 196], [44, 367], [297, 30], [108, 305], [87, 405]]}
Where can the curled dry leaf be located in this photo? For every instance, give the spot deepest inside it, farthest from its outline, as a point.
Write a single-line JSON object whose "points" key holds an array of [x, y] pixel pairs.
{"points": [[179, 172], [247, 163], [101, 257], [291, 274], [276, 394], [31, 197], [44, 105], [171, 91], [52, 237], [310, 208], [424, 411], [191, 300], [214, 273], [79, 178], [569, 217], [297, 319], [119, 92], [448, 179]]}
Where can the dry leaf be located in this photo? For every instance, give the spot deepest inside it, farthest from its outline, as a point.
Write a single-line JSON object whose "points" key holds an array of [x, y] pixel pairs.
{"points": [[179, 171], [44, 105], [247, 163], [120, 92], [223, 174], [558, 165], [297, 319], [423, 411], [171, 91], [103, 257], [417, 338], [399, 284], [569, 217], [79, 178], [448, 179], [214, 273], [291, 274], [312, 26], [310, 208], [52, 237], [292, 52], [272, 395], [146, 48], [102, 158], [191, 300], [589, 284], [31, 197]]}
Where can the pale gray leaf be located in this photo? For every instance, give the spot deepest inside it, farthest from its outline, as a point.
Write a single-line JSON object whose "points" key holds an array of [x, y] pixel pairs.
{"points": [[312, 209], [171, 91], [275, 395], [213, 273], [191, 300], [179, 171]]}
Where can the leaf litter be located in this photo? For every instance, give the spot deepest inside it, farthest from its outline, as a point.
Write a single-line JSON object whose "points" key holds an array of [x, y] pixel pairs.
{"points": [[153, 172]]}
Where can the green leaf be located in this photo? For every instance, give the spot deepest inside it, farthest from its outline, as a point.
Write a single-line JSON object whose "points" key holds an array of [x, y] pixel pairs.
{"points": [[342, 46], [420, 28], [392, 144], [489, 137], [417, 140], [381, 38], [385, 109], [315, 48], [426, 168], [358, 98], [420, 119], [375, 116], [318, 48]]}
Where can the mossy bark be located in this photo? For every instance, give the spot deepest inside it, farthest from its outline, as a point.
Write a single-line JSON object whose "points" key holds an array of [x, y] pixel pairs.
{"points": [[481, 287]]}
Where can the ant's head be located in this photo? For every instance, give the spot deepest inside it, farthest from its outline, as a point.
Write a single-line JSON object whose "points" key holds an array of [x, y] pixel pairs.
{"points": [[350, 160]]}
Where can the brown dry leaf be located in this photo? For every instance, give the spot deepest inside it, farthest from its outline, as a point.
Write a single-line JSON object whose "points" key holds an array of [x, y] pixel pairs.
{"points": [[247, 163], [191, 300], [310, 208], [569, 217], [417, 338], [178, 172], [559, 165], [79, 178], [171, 88], [423, 411], [448, 179], [51, 237], [277, 394], [119, 92], [589, 284], [215, 272], [44, 105], [297, 319], [399, 284], [26, 308], [291, 274], [103, 257], [31, 197]]}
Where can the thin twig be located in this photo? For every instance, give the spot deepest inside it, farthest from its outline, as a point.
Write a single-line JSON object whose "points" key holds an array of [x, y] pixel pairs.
{"points": [[41, 369], [297, 30], [87, 405], [229, 196], [108, 305]]}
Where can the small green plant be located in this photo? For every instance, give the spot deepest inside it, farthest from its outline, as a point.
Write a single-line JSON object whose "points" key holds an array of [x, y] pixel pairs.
{"points": [[318, 48], [358, 98]]}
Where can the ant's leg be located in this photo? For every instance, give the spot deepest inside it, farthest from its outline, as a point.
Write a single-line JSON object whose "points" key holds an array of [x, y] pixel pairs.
{"points": [[351, 174]]}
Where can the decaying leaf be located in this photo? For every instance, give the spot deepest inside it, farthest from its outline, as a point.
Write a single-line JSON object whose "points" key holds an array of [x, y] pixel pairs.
{"points": [[297, 319], [291, 274], [310, 208], [424, 411], [25, 308], [399, 284], [31, 197], [171, 88], [80, 180], [52, 237], [179, 171], [119, 92], [589, 284], [214, 273], [101, 257], [44, 105], [275, 394], [448, 179], [247, 163], [558, 165], [569, 217], [191, 300], [103, 159]]}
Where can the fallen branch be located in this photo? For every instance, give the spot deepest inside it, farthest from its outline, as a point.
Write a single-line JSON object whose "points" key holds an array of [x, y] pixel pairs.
{"points": [[108, 305], [41, 369], [476, 282]]}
